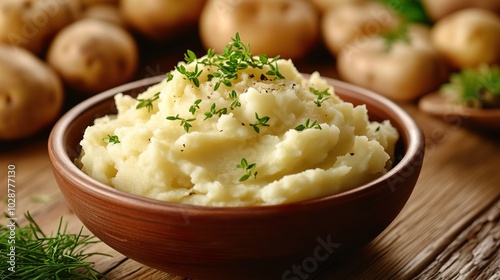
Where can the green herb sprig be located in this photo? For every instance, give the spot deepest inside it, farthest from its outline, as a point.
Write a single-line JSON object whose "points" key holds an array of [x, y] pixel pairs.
{"points": [[321, 96], [475, 87], [235, 101], [147, 102], [248, 168], [38, 256], [195, 106], [260, 122], [308, 124], [112, 139], [215, 112], [186, 123], [235, 57], [190, 75]]}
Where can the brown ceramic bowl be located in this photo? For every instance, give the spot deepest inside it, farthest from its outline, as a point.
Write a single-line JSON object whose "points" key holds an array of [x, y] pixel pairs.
{"points": [[288, 241]]}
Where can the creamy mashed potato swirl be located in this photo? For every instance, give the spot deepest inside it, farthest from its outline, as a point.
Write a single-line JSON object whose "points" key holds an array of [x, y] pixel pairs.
{"points": [[159, 157]]}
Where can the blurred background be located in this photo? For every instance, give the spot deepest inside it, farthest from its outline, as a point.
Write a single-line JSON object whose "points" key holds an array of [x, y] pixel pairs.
{"points": [[56, 53]]}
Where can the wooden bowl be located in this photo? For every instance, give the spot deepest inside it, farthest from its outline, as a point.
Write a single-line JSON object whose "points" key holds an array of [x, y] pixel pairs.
{"points": [[436, 104], [277, 242]]}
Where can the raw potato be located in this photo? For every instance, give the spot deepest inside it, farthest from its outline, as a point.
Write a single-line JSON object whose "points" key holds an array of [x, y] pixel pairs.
{"points": [[31, 24], [405, 72], [93, 55], [468, 38], [437, 9], [89, 3], [352, 22], [161, 19], [278, 27], [325, 5], [31, 94], [109, 13]]}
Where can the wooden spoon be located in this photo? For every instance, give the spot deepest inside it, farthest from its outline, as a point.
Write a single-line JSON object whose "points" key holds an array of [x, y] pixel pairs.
{"points": [[436, 104]]}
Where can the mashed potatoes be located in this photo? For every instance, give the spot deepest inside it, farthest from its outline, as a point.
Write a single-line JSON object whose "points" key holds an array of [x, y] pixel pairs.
{"points": [[261, 140]]}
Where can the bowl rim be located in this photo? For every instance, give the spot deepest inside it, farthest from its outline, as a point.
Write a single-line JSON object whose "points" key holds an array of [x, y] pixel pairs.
{"points": [[58, 155]]}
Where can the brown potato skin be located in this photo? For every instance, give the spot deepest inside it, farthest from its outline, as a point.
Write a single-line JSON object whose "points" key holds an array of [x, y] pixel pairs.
{"points": [[437, 9], [404, 73], [105, 12], [32, 24], [93, 55], [31, 94], [89, 3], [279, 27], [353, 21], [161, 19], [325, 5], [468, 38]]}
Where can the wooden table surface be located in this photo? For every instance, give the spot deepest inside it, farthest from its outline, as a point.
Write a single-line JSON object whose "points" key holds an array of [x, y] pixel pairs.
{"points": [[449, 229]]}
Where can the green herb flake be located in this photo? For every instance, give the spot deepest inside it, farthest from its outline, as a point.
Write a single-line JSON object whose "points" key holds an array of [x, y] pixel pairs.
{"points": [[170, 76], [190, 56]]}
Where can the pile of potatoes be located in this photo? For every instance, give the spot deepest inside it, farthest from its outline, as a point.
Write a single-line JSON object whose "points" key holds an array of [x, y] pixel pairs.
{"points": [[460, 34], [88, 46]]}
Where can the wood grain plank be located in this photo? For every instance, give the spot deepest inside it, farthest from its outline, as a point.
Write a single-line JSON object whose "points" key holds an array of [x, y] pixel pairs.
{"points": [[474, 254], [35, 180], [459, 180], [36, 187], [132, 270]]}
